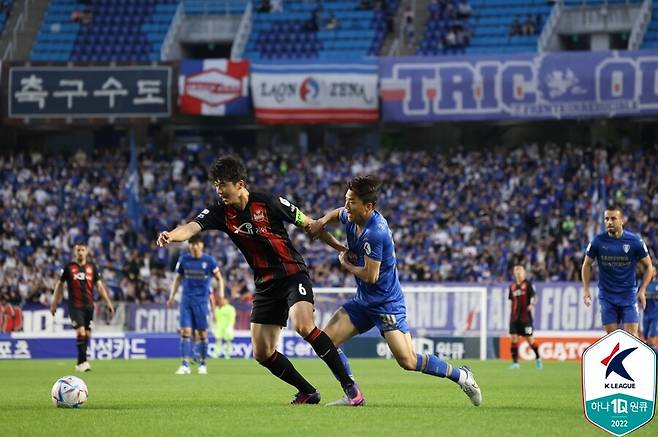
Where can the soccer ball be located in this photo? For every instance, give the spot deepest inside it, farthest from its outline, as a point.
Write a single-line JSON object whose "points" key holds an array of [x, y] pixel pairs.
{"points": [[69, 392]]}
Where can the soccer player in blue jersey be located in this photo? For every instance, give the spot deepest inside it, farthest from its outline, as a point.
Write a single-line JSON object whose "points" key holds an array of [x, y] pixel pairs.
{"points": [[379, 300], [196, 271], [617, 253], [650, 319]]}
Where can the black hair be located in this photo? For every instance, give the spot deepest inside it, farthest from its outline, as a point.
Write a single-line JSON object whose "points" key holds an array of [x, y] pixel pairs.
{"points": [[615, 207], [195, 239], [228, 169], [366, 188]]}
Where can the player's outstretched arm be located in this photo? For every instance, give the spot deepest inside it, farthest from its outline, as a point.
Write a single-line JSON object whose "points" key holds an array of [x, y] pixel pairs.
{"points": [[314, 228], [586, 273], [174, 290], [57, 296], [646, 280], [105, 295], [220, 281], [181, 233], [332, 242]]}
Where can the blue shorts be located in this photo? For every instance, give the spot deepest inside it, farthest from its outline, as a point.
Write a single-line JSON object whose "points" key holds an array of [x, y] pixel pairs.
{"points": [[364, 318], [194, 315], [617, 314]]}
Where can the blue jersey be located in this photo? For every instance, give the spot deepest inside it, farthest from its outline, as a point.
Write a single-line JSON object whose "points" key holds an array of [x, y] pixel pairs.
{"points": [[375, 242], [617, 259], [197, 274]]}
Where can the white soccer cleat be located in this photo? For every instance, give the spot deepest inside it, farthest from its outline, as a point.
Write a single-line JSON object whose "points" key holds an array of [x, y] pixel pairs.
{"points": [[83, 367], [183, 370], [470, 387], [203, 370]]}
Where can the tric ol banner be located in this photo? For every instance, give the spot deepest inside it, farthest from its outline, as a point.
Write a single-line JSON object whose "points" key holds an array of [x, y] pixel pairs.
{"points": [[521, 87], [315, 93], [90, 92], [214, 87]]}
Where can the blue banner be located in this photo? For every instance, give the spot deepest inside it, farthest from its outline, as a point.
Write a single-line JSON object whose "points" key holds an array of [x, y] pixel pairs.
{"points": [[90, 92], [106, 346], [521, 87]]}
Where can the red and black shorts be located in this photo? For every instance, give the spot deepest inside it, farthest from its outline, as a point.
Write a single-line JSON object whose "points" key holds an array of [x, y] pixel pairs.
{"points": [[273, 299], [81, 316], [518, 327]]}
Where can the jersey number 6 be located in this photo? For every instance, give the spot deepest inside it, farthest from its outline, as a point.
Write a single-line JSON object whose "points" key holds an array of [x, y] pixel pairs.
{"points": [[302, 290]]}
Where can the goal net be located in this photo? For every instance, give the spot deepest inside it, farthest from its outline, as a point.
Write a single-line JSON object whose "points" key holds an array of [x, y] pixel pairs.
{"points": [[432, 310]]}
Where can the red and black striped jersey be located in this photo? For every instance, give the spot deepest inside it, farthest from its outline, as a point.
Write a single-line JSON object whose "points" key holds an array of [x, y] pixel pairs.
{"points": [[260, 233], [80, 280], [521, 296]]}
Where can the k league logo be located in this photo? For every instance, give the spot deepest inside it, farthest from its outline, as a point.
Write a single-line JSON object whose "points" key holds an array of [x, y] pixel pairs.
{"points": [[619, 383]]}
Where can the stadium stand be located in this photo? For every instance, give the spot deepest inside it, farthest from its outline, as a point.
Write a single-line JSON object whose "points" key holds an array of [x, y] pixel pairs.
{"points": [[651, 36], [5, 10], [496, 31], [461, 216], [328, 30], [106, 30]]}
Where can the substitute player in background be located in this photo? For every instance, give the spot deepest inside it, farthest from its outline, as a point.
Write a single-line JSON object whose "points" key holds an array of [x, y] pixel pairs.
{"points": [[522, 294], [650, 319], [617, 253], [196, 271], [224, 323], [81, 276], [256, 223], [379, 300]]}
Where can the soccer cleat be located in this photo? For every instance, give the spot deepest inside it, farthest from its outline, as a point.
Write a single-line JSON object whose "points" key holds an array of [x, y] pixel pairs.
{"points": [[183, 370], [539, 364], [515, 366], [306, 398], [353, 398], [203, 370], [470, 387], [83, 367]]}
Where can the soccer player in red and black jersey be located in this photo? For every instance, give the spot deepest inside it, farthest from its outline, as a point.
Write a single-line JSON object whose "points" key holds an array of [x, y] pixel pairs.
{"points": [[81, 276], [522, 295], [256, 223]]}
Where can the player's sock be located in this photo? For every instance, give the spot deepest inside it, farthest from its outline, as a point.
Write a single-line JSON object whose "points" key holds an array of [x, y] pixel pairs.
{"points": [[433, 365], [81, 344], [346, 363], [515, 351], [185, 349], [283, 369], [228, 348], [326, 350], [535, 347], [202, 350]]}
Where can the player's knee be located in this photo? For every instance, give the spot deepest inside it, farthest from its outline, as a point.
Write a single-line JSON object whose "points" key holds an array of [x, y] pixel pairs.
{"points": [[262, 354], [304, 329]]}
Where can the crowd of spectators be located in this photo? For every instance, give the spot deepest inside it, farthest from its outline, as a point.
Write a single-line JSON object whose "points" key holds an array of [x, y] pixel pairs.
{"points": [[462, 216]]}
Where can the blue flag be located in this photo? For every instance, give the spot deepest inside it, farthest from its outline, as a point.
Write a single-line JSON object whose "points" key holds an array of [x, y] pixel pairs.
{"points": [[134, 207]]}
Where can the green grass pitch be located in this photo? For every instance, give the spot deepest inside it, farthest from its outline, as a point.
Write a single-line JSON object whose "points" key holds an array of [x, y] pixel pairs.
{"points": [[238, 397]]}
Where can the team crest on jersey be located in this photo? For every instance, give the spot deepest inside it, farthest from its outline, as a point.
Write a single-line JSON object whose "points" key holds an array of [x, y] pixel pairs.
{"points": [[204, 265], [626, 248], [366, 248], [259, 215]]}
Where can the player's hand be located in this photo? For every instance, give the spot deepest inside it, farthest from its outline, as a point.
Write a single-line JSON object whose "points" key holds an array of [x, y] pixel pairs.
{"points": [[531, 307], [347, 257], [170, 302], [587, 297], [163, 239], [53, 308], [314, 228], [642, 299], [110, 308]]}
